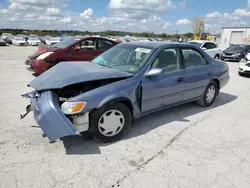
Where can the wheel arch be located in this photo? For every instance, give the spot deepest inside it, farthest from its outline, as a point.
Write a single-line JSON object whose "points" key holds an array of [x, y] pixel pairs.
{"points": [[216, 80], [122, 100]]}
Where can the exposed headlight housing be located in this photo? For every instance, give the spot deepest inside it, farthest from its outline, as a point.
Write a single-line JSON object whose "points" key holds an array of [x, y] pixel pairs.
{"points": [[44, 55], [70, 108]]}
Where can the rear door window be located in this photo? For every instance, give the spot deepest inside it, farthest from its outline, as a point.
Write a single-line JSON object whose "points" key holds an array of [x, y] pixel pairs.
{"points": [[103, 44], [193, 58]]}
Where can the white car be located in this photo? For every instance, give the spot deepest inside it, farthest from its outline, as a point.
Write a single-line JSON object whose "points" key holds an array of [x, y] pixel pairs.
{"points": [[209, 47], [52, 41], [5, 35], [34, 41], [244, 68], [20, 41]]}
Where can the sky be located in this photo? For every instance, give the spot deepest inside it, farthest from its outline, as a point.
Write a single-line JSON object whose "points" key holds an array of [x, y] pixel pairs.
{"points": [[159, 16]]}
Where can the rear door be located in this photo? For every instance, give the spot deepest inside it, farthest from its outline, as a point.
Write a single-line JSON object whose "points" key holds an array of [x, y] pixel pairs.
{"points": [[103, 45], [198, 73]]}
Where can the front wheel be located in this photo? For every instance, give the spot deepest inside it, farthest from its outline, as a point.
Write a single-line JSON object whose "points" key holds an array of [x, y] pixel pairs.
{"points": [[110, 122], [209, 95]]}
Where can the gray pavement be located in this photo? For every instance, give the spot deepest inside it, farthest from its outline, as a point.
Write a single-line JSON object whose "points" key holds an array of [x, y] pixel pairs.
{"points": [[185, 146]]}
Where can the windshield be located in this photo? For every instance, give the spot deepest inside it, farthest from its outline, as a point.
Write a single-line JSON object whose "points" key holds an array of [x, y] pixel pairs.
{"points": [[125, 58], [236, 47], [196, 44], [64, 43]]}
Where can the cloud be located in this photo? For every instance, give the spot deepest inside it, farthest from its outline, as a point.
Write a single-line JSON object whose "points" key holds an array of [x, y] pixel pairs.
{"points": [[242, 23], [4, 11], [220, 16], [87, 13], [242, 12], [183, 22], [36, 5], [140, 8], [167, 25], [52, 11], [66, 20]]}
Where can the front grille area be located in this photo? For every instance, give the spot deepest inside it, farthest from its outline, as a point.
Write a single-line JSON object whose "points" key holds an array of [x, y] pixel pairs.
{"points": [[229, 54]]}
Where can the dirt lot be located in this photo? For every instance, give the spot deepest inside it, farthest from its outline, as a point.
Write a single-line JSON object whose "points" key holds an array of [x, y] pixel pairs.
{"points": [[185, 146]]}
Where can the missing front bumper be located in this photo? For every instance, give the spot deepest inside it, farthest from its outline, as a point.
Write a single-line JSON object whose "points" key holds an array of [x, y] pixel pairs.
{"points": [[52, 120]]}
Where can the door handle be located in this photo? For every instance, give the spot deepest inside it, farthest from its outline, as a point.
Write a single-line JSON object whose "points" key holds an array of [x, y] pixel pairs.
{"points": [[209, 74], [180, 79]]}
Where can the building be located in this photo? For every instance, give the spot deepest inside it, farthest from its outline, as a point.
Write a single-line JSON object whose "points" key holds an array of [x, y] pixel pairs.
{"points": [[234, 35]]}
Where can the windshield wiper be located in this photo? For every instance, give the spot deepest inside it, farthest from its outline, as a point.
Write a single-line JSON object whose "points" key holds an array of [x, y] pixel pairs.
{"points": [[106, 66]]}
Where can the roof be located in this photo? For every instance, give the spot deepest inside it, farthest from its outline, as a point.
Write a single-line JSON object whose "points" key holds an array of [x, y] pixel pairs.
{"points": [[150, 44], [248, 27], [198, 41]]}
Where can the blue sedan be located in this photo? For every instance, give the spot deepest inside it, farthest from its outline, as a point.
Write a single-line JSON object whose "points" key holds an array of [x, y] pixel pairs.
{"points": [[124, 83]]}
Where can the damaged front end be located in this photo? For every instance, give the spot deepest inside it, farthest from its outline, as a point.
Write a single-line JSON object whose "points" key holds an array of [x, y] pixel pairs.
{"points": [[54, 111], [58, 117], [51, 119]]}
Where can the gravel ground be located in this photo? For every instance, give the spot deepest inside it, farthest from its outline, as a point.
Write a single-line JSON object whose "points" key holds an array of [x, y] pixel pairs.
{"points": [[185, 146]]}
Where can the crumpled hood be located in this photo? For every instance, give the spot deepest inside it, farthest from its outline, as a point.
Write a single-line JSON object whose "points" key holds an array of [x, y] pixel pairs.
{"points": [[68, 73]]}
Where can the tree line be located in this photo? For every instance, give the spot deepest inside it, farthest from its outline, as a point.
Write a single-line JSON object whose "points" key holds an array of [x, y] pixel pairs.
{"points": [[101, 33]]}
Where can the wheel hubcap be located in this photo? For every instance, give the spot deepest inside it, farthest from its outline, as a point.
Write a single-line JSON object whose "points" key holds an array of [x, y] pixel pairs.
{"points": [[210, 94], [111, 123]]}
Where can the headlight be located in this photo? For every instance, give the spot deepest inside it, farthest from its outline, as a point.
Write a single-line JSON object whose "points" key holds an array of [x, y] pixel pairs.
{"points": [[237, 54], [44, 55], [73, 107]]}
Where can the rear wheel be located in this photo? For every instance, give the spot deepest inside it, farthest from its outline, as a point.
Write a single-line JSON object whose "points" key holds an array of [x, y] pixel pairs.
{"points": [[209, 95], [110, 122]]}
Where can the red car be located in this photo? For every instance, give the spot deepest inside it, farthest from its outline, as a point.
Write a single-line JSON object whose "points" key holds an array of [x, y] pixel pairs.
{"points": [[72, 49]]}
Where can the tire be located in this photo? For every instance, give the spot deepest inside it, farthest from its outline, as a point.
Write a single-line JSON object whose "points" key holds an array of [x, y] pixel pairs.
{"points": [[97, 122], [217, 57], [203, 101]]}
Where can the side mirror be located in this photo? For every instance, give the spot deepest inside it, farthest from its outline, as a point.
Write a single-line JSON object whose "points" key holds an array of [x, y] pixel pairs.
{"points": [[203, 48], [77, 48], [154, 72]]}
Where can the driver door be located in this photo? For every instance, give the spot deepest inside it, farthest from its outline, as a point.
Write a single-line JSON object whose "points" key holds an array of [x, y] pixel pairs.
{"points": [[86, 52], [165, 89]]}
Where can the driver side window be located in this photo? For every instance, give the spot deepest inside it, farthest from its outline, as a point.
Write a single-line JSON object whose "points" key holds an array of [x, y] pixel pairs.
{"points": [[168, 60], [89, 44]]}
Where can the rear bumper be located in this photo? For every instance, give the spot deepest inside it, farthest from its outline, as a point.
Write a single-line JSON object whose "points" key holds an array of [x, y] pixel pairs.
{"points": [[224, 82], [50, 118]]}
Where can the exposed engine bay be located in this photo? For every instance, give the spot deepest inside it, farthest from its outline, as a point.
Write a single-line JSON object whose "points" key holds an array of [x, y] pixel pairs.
{"points": [[77, 89]]}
